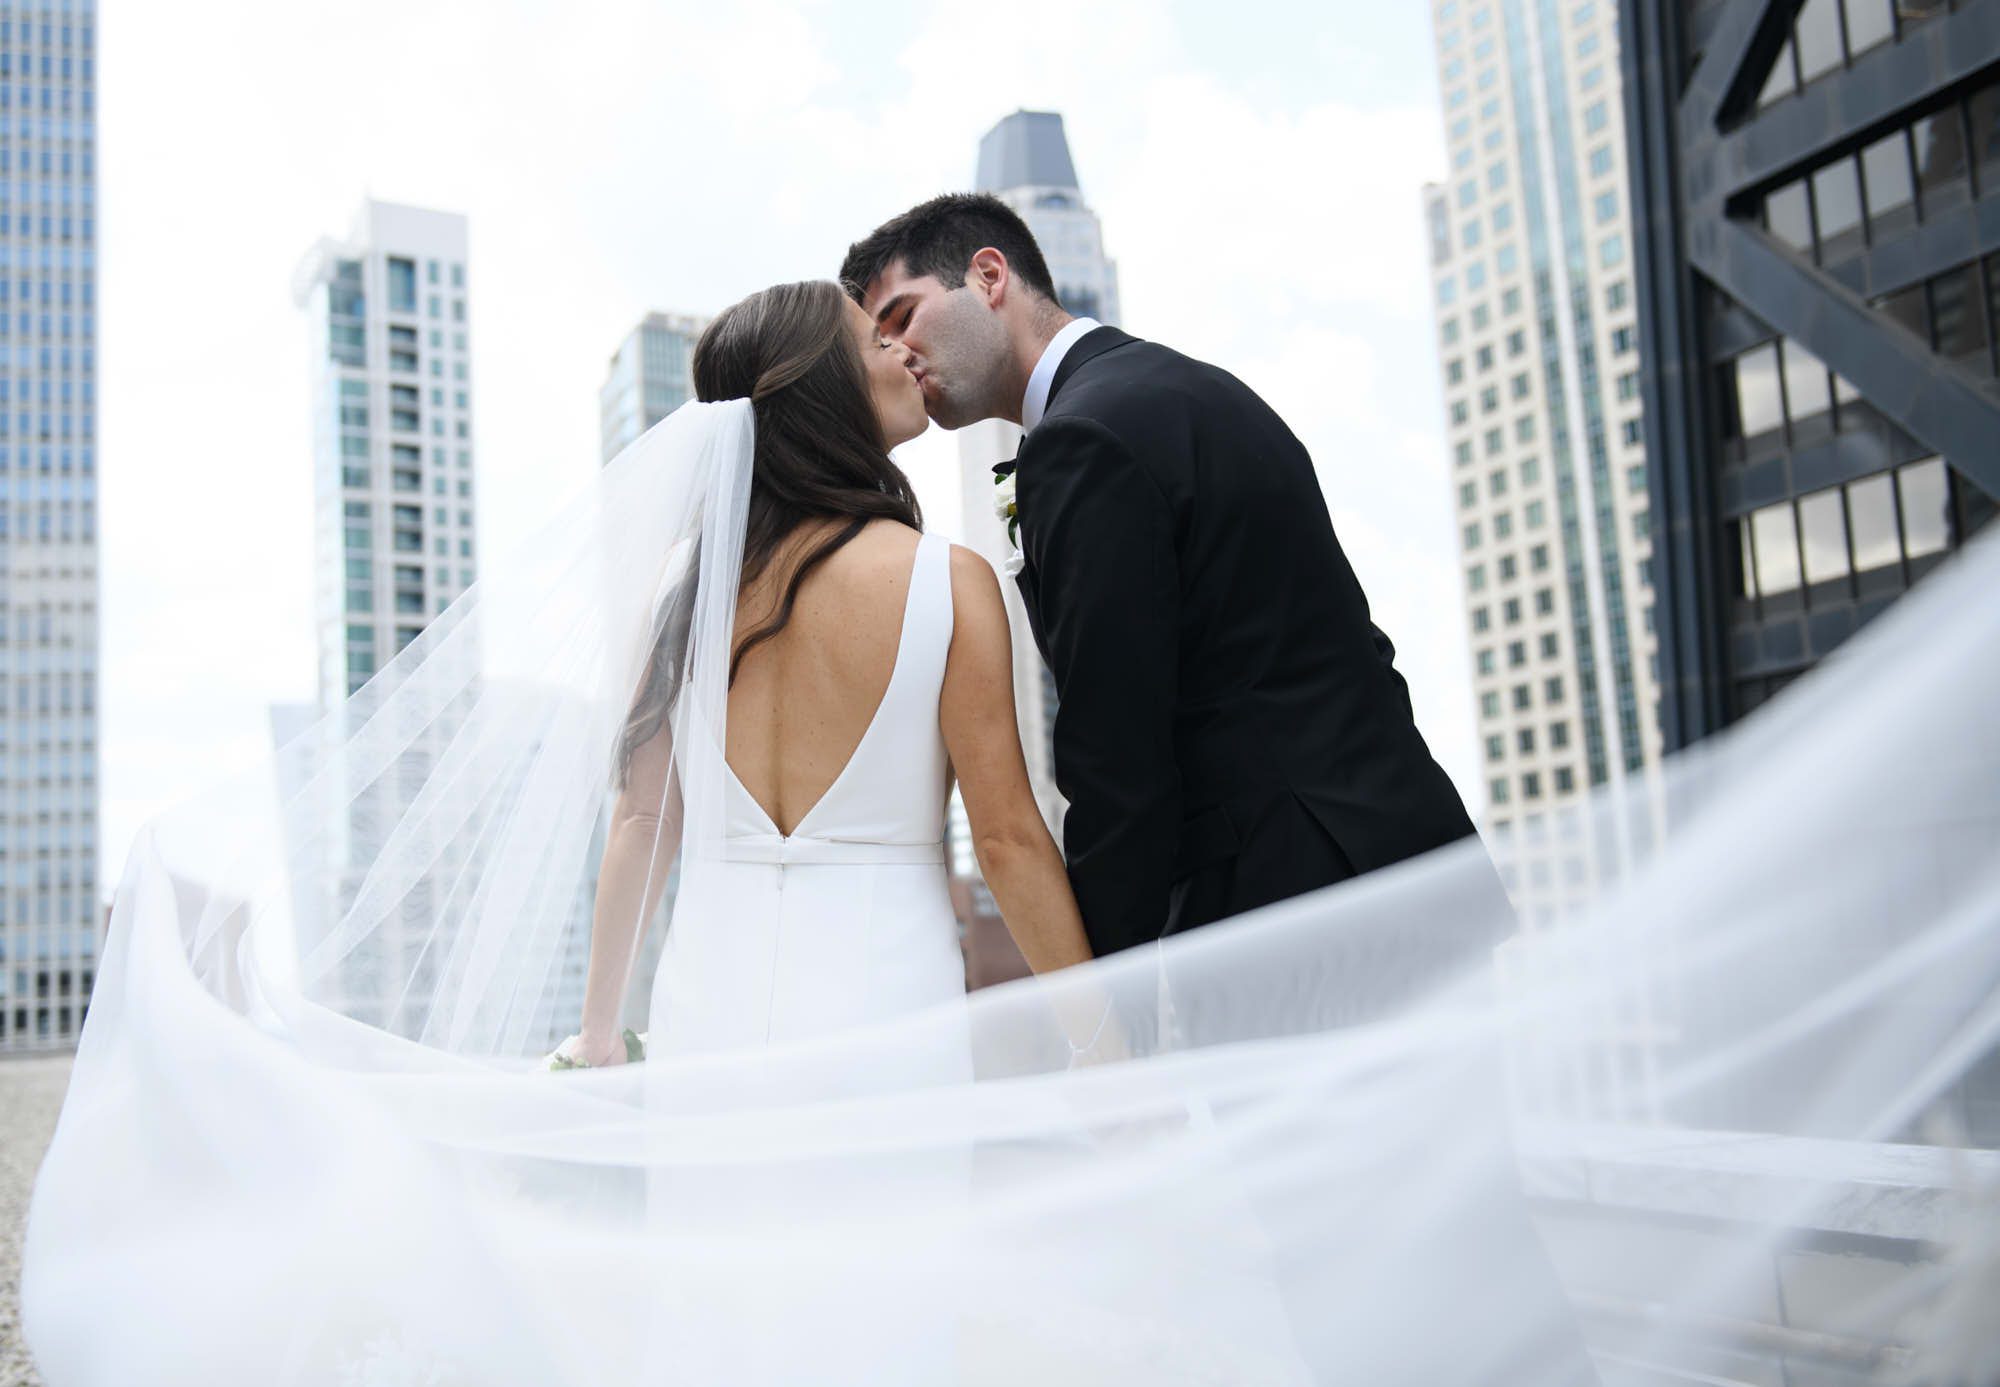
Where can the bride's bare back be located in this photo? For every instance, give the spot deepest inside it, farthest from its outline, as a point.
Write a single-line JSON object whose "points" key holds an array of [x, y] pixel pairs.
{"points": [[803, 699]]}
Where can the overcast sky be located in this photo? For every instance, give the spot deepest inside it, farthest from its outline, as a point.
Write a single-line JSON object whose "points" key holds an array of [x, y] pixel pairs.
{"points": [[1257, 169]]}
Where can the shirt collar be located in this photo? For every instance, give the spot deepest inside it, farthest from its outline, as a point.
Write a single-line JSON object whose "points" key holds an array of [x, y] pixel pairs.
{"points": [[1036, 402]]}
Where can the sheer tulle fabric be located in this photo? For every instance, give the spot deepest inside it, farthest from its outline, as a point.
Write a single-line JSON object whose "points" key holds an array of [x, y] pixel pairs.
{"points": [[1356, 1140]]}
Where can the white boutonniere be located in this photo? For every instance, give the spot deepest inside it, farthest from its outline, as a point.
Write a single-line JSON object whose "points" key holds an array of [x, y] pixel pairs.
{"points": [[1004, 506]]}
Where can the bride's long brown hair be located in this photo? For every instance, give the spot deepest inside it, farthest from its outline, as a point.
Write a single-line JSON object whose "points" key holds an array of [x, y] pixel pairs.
{"points": [[819, 455]]}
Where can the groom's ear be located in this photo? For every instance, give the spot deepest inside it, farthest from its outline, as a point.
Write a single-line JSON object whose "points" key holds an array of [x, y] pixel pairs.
{"points": [[990, 273]]}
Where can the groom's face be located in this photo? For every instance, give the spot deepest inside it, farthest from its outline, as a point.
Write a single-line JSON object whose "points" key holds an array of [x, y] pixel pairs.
{"points": [[956, 344]]}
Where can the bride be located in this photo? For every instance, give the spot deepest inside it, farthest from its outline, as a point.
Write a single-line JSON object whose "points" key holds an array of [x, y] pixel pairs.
{"points": [[869, 664]]}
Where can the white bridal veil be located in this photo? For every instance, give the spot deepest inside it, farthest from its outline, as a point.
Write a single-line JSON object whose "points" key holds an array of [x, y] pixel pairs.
{"points": [[1716, 1107]]}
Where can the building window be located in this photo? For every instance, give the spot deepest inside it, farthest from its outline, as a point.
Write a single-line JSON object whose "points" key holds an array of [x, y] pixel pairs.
{"points": [[1498, 790], [1565, 780], [1552, 689], [1890, 189], [1489, 705], [1485, 662], [1925, 506], [1535, 515], [402, 285], [1595, 117], [1558, 735]]}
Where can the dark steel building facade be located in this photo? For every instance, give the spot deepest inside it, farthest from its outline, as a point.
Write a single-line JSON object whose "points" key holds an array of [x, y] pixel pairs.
{"points": [[1816, 212]]}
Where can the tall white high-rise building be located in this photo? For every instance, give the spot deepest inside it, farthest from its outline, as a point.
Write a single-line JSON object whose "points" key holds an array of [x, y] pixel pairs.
{"points": [[392, 428], [1530, 248], [393, 542], [651, 375], [1025, 162], [49, 916]]}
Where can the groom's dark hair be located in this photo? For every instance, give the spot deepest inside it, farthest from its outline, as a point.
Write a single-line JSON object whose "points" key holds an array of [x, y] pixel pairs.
{"points": [[940, 237]]}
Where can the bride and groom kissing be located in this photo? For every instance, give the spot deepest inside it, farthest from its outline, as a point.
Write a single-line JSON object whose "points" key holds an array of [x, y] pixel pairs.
{"points": [[1230, 728]]}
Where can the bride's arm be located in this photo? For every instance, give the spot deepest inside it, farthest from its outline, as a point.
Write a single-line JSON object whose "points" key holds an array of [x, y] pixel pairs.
{"points": [[644, 837], [1022, 865]]}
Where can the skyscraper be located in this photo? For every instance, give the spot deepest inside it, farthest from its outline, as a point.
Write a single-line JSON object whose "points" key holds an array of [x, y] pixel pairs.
{"points": [[1530, 249], [1819, 278], [1025, 162], [651, 375], [392, 430], [49, 918], [393, 546]]}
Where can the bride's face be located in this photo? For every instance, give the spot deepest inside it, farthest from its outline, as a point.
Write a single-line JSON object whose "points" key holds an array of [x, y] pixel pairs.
{"points": [[898, 399]]}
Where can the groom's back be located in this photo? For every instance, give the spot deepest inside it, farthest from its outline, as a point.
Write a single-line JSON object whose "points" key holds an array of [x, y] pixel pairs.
{"points": [[1285, 687]]}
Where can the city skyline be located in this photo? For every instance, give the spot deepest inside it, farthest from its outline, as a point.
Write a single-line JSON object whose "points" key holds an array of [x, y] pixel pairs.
{"points": [[209, 581]]}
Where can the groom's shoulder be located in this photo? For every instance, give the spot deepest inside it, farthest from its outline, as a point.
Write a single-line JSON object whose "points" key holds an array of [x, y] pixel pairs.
{"points": [[1136, 387]]}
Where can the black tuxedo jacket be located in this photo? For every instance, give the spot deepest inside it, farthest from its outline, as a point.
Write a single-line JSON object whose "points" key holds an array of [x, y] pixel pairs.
{"points": [[1229, 729]]}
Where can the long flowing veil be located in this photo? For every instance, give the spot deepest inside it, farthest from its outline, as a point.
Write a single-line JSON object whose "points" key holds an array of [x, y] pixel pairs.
{"points": [[1720, 1106]]}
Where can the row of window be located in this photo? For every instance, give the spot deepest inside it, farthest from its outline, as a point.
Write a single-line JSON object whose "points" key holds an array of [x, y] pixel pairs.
{"points": [[1935, 165], [1827, 537], [1776, 390], [1953, 312], [1564, 780], [1487, 659], [1826, 34], [23, 32]]}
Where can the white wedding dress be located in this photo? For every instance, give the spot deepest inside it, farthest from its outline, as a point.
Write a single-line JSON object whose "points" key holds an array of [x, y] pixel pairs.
{"points": [[847, 919], [780, 939]]}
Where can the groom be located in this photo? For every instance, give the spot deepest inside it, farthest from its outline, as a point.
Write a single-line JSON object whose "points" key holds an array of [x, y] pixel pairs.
{"points": [[1229, 730]]}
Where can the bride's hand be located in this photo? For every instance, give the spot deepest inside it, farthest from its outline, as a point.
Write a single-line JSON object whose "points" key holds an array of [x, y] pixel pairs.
{"points": [[593, 1051]]}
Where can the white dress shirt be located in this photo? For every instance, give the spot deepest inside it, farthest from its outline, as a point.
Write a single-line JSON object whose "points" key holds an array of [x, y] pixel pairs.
{"points": [[1036, 402]]}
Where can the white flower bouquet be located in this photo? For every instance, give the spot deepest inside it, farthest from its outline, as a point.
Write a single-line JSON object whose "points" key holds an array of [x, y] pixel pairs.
{"points": [[563, 1056]]}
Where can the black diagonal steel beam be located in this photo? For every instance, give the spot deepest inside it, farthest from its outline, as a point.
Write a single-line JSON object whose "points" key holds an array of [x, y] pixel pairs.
{"points": [[1720, 73], [1939, 404]]}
